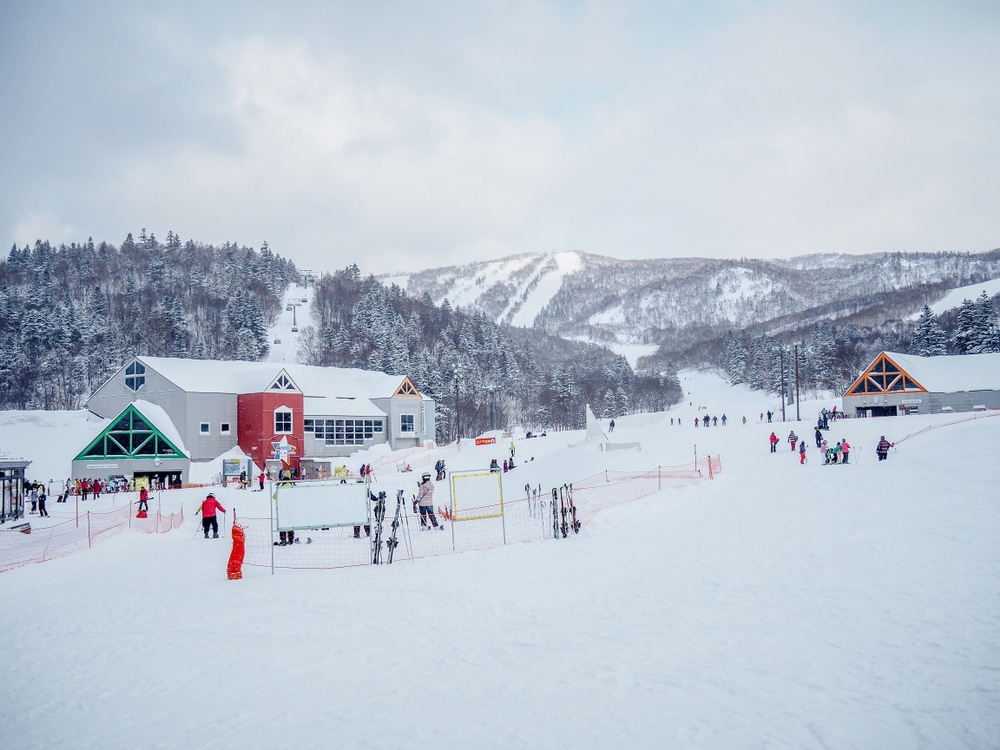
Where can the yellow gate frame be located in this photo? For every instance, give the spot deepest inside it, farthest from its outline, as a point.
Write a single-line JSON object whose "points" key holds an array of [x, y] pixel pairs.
{"points": [[454, 495]]}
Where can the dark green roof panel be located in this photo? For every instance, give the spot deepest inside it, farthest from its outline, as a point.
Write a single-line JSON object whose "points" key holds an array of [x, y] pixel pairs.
{"points": [[130, 436]]}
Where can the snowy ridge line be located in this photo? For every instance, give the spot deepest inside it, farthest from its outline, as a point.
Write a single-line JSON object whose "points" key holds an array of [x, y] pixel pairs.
{"points": [[48, 543], [996, 413]]}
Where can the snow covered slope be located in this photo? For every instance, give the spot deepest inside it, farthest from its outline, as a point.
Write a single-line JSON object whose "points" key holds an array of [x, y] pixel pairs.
{"points": [[780, 605], [955, 297], [283, 337], [679, 302]]}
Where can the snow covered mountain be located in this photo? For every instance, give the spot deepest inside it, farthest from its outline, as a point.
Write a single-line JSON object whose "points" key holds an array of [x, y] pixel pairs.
{"points": [[674, 302]]}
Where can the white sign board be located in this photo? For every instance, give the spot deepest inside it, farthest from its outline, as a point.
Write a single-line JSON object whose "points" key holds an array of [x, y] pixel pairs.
{"points": [[310, 505]]}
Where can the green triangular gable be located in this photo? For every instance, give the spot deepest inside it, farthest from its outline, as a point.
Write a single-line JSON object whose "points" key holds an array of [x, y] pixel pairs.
{"points": [[130, 435]]}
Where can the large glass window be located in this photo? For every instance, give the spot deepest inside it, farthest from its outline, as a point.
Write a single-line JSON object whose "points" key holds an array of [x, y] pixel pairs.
{"points": [[344, 431], [282, 421], [406, 423]]}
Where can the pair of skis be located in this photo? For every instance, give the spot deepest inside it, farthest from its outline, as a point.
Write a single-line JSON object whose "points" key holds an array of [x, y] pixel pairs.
{"points": [[379, 513], [393, 542], [397, 520], [567, 509]]}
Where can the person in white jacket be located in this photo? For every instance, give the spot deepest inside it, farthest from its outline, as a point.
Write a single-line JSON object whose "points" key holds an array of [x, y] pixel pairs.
{"points": [[425, 503]]}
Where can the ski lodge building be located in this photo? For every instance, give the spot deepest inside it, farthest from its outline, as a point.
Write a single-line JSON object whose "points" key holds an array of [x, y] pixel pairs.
{"points": [[167, 413], [908, 384]]}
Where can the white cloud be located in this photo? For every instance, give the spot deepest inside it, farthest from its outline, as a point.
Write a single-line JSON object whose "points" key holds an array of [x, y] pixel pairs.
{"points": [[406, 139]]}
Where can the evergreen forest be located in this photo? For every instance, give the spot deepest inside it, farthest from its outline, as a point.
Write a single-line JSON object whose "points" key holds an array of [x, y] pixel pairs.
{"points": [[71, 315]]}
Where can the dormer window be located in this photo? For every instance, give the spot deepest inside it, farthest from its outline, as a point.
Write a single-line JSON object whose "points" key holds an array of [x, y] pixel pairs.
{"points": [[135, 376], [283, 383]]}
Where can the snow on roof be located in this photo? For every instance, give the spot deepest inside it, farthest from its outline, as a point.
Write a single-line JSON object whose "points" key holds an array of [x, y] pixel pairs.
{"points": [[967, 372], [215, 376], [157, 416], [340, 407]]}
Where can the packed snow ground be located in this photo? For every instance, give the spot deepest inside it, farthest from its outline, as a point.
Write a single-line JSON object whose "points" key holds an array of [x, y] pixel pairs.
{"points": [[778, 606]]}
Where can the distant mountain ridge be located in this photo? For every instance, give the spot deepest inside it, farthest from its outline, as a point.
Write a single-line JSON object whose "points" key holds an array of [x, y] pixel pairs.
{"points": [[674, 302]]}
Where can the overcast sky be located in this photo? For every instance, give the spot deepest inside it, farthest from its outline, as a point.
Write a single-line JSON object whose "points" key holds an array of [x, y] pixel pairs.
{"points": [[408, 135]]}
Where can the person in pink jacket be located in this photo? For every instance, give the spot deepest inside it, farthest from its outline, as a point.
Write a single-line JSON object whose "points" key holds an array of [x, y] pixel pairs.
{"points": [[208, 510], [845, 450]]}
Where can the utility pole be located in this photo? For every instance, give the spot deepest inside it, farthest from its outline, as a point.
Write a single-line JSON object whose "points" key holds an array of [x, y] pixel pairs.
{"points": [[458, 415], [782, 352], [798, 417]]}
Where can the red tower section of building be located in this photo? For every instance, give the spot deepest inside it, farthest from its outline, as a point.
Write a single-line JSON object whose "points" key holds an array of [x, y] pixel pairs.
{"points": [[270, 427]]}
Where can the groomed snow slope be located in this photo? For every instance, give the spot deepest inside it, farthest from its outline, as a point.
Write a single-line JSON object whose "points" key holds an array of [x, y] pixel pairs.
{"points": [[778, 606]]}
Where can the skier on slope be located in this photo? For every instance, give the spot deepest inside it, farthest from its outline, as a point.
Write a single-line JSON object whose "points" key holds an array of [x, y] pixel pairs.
{"points": [[882, 449], [425, 502], [208, 518], [774, 443]]}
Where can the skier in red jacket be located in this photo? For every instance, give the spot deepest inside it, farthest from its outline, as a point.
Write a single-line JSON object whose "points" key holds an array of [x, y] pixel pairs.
{"points": [[208, 519]]}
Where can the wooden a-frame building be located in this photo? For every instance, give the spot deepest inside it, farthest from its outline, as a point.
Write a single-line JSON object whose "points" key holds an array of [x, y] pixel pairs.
{"points": [[896, 384]]}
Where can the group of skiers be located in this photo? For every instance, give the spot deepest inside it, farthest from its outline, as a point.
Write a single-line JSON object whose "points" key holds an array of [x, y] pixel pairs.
{"points": [[366, 473], [706, 420], [35, 492], [85, 487], [836, 454], [832, 454]]}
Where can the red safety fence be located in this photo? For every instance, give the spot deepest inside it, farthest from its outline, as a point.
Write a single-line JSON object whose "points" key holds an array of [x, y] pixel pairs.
{"points": [[22, 544], [969, 418], [524, 519], [595, 493]]}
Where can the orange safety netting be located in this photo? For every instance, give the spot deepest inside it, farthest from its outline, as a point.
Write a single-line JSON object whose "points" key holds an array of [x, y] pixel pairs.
{"points": [[41, 543], [235, 567]]}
